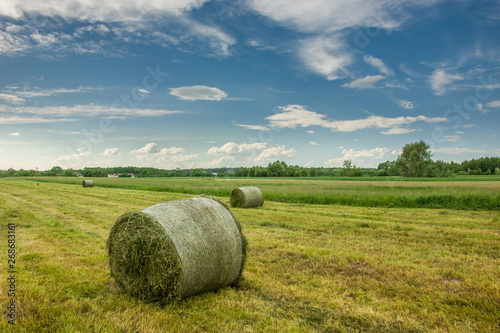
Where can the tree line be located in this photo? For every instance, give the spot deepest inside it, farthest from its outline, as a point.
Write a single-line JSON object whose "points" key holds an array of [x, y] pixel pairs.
{"points": [[414, 161]]}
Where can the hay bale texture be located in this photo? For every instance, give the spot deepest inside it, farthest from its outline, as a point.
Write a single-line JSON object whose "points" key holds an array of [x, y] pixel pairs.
{"points": [[246, 197], [176, 249], [88, 183]]}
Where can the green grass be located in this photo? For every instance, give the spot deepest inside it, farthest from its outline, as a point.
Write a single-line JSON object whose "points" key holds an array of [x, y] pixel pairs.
{"points": [[389, 192], [310, 268]]}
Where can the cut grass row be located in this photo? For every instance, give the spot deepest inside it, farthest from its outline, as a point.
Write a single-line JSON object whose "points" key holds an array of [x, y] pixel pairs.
{"points": [[310, 268], [466, 195]]}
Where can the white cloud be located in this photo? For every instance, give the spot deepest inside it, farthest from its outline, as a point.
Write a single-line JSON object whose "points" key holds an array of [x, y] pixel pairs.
{"points": [[15, 134], [33, 120], [13, 99], [96, 10], [85, 110], [110, 152], [378, 64], [275, 152], [150, 148], [314, 143], [481, 109], [296, 115], [398, 130], [440, 81], [198, 92], [253, 127], [494, 104], [170, 151], [406, 104], [359, 156], [65, 159], [456, 150], [218, 162], [51, 92], [163, 23], [234, 148], [366, 82], [331, 16], [324, 56]]}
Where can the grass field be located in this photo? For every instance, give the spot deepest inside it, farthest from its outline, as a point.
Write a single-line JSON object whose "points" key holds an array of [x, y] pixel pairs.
{"points": [[310, 268], [462, 193]]}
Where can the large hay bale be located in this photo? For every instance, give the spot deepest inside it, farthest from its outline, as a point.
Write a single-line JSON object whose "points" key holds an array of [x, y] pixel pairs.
{"points": [[176, 249], [88, 183], [247, 197]]}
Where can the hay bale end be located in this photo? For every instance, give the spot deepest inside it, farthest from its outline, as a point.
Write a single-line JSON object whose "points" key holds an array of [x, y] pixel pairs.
{"points": [[246, 197], [88, 183], [176, 249]]}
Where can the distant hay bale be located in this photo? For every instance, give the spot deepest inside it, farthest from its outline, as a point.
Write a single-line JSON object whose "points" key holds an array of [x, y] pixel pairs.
{"points": [[176, 249], [88, 183], [246, 197]]}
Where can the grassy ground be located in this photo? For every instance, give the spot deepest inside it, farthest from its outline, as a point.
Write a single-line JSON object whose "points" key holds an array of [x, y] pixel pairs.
{"points": [[310, 268], [463, 193]]}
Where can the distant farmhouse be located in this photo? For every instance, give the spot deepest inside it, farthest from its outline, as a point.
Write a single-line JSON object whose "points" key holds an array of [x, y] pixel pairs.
{"points": [[77, 174], [116, 175]]}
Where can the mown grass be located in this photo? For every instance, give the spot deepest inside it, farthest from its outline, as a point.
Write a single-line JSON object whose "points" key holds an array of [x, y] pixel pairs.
{"points": [[461, 194], [310, 268]]}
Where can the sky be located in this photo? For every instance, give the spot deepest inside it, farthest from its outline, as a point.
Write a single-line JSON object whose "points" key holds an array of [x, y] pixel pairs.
{"points": [[208, 84]]}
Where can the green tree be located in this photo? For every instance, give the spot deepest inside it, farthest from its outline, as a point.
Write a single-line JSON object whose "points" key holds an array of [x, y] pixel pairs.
{"points": [[414, 160], [313, 172], [347, 167]]}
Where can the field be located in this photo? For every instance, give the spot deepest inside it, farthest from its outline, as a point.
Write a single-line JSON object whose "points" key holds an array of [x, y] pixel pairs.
{"points": [[313, 265]]}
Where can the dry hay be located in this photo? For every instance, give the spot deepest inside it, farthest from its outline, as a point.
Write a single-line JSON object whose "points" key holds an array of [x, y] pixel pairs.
{"points": [[246, 197], [88, 183], [176, 249]]}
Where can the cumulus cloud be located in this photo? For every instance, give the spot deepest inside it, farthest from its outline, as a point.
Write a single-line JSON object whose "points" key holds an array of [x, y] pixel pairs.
{"points": [[150, 148], [275, 152], [314, 143], [296, 115], [359, 155], [198, 93], [378, 64], [72, 158], [15, 134], [110, 152], [366, 82], [440, 81], [406, 104], [234, 148], [325, 56]]}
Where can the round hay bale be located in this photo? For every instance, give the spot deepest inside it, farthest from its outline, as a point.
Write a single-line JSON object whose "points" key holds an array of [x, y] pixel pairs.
{"points": [[246, 197], [88, 183], [176, 249]]}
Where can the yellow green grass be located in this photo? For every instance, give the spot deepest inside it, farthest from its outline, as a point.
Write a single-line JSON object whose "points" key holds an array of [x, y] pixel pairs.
{"points": [[310, 268]]}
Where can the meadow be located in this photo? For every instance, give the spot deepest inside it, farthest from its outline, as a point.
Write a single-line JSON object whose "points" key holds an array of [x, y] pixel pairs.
{"points": [[453, 193], [311, 267]]}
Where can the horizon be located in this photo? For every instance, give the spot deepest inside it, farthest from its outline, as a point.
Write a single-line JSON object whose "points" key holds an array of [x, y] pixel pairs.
{"points": [[206, 84]]}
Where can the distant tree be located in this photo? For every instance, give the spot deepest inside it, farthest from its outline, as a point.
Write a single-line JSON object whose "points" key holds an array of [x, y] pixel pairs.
{"points": [[313, 172], [277, 169], [414, 159], [347, 167]]}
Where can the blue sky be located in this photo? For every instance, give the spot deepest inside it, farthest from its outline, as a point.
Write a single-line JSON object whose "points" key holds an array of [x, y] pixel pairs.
{"points": [[197, 83]]}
